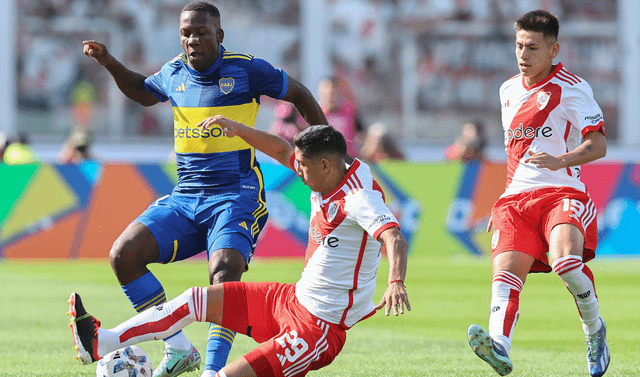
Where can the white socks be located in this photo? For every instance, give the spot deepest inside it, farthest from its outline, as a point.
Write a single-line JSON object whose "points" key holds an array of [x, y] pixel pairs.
{"points": [[157, 322], [505, 307], [211, 373], [579, 280]]}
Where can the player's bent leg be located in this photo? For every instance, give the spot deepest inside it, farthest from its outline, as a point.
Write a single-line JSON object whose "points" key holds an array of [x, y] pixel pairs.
{"points": [[158, 322], [130, 254], [491, 352], [224, 265]]}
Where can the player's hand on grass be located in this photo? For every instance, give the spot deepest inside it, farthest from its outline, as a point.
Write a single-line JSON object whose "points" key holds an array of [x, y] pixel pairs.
{"points": [[394, 297], [97, 51], [544, 160]]}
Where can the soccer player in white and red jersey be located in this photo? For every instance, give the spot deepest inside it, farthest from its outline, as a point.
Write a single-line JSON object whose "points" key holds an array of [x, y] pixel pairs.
{"points": [[301, 326], [545, 219]]}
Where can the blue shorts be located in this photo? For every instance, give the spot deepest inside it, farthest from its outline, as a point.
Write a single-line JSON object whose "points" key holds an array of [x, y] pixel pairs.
{"points": [[185, 225]]}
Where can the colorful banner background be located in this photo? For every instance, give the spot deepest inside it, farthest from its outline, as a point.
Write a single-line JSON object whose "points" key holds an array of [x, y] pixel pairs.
{"points": [[77, 211]]}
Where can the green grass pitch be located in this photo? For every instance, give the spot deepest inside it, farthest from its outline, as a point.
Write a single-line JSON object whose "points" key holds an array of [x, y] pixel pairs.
{"points": [[447, 293]]}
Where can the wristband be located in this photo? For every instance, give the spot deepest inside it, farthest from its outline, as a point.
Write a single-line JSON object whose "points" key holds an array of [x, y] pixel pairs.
{"points": [[396, 281]]}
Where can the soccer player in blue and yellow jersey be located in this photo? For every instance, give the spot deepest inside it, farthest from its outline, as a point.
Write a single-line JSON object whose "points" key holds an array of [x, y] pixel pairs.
{"points": [[219, 202]]}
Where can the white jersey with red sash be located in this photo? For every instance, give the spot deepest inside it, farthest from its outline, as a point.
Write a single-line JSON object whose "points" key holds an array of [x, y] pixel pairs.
{"points": [[551, 116], [343, 254]]}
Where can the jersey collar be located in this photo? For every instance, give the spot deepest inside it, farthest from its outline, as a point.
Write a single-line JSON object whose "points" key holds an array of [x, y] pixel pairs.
{"points": [[354, 166], [212, 68], [555, 70]]}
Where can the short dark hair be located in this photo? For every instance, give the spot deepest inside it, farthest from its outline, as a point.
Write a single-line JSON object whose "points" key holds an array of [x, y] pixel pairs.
{"points": [[540, 21], [202, 6], [315, 141]]}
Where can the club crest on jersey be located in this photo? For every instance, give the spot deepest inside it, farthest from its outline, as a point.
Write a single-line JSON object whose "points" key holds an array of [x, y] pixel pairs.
{"points": [[543, 99], [332, 211], [226, 84], [495, 238]]}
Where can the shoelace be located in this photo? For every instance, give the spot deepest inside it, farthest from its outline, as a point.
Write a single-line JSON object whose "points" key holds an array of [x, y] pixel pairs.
{"points": [[593, 346]]}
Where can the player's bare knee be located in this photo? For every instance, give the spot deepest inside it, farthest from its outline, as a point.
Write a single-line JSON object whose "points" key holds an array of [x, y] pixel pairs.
{"points": [[226, 265], [133, 250]]}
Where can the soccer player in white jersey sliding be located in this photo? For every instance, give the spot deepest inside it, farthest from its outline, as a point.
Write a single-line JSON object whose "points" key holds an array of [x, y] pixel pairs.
{"points": [[301, 326], [545, 219]]}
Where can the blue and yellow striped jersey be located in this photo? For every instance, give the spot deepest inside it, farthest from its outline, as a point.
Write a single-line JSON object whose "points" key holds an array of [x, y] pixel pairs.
{"points": [[207, 161]]}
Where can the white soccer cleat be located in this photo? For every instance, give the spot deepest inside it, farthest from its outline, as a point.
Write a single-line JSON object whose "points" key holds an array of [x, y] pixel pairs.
{"points": [[176, 362], [488, 350]]}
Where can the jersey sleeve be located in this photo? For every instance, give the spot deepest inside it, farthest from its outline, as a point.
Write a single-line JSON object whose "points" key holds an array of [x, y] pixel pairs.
{"points": [[156, 84], [582, 110], [267, 79], [368, 209]]}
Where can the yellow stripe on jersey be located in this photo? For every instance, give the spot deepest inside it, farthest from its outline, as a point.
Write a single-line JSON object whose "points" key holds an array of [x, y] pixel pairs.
{"points": [[236, 55], [191, 139], [262, 208]]}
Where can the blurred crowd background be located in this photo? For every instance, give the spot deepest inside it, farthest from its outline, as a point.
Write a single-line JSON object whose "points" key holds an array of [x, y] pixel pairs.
{"points": [[404, 76]]}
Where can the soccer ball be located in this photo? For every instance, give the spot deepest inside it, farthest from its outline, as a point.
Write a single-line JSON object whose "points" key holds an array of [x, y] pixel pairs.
{"points": [[130, 361]]}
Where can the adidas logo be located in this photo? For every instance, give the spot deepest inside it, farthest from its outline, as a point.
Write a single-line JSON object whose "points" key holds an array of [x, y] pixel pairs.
{"points": [[181, 88], [244, 225]]}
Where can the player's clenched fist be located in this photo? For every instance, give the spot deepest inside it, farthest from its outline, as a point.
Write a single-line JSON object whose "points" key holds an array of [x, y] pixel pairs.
{"points": [[96, 50]]}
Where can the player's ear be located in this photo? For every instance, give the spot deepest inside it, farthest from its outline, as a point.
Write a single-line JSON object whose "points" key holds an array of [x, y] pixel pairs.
{"points": [[219, 35], [555, 50], [325, 164]]}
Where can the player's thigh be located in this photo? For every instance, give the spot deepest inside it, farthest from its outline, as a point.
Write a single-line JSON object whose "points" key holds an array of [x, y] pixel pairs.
{"points": [[515, 229], [564, 240], [304, 343], [175, 232], [248, 307]]}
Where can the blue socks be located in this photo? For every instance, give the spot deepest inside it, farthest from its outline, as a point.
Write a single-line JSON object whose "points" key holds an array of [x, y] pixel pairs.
{"points": [[145, 292], [218, 347]]}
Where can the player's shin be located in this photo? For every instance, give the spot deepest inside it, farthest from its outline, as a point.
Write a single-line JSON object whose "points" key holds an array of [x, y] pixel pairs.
{"points": [[505, 307], [157, 322], [579, 280]]}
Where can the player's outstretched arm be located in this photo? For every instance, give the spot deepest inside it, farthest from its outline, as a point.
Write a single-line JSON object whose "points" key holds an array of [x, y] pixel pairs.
{"points": [[272, 145], [302, 98], [129, 82], [593, 148], [396, 294]]}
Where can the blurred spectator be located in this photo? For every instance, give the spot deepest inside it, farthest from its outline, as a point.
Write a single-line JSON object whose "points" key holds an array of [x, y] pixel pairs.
{"points": [[76, 148], [379, 144], [4, 143], [19, 152], [341, 109], [469, 146], [288, 122]]}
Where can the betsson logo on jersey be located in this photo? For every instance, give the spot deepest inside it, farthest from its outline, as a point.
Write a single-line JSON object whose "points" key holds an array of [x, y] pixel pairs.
{"points": [[528, 132], [195, 132]]}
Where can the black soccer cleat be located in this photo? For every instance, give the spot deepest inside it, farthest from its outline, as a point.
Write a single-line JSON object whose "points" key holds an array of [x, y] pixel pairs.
{"points": [[85, 331]]}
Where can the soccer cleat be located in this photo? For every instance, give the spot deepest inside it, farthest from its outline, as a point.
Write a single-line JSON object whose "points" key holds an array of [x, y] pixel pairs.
{"points": [[598, 352], [85, 331], [176, 362], [488, 350]]}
